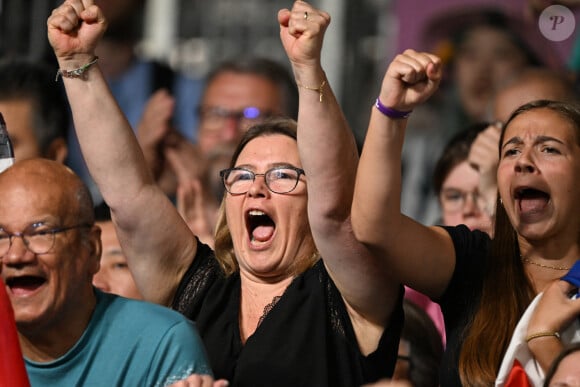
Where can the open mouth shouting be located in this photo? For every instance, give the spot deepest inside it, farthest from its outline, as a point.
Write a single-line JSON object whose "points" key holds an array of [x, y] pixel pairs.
{"points": [[531, 202], [260, 227]]}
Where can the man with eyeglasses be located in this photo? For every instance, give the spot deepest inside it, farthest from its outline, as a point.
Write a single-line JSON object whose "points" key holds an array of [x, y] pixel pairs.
{"points": [[70, 333], [240, 93]]}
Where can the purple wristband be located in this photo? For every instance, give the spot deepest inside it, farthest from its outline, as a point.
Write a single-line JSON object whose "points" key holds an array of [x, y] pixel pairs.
{"points": [[391, 113]]}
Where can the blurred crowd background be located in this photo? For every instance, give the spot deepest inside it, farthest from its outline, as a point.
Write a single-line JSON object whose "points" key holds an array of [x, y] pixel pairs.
{"points": [[193, 35]]}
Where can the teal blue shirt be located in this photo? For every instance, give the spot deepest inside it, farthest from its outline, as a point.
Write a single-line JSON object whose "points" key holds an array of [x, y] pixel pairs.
{"points": [[127, 343]]}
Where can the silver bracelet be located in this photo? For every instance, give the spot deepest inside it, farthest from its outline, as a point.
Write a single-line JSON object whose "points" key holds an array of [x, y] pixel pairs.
{"points": [[76, 73]]}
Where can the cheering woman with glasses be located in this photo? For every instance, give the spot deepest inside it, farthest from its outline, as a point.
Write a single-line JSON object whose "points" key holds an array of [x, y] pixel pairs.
{"points": [[238, 181], [289, 297]]}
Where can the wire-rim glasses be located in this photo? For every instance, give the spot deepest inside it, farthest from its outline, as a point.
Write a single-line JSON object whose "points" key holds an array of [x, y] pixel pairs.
{"points": [[38, 241], [280, 180]]}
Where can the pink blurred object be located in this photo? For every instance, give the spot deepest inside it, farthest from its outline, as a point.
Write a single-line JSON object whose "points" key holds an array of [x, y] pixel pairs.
{"points": [[432, 309]]}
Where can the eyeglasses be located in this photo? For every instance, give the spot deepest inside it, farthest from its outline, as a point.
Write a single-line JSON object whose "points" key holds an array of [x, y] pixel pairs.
{"points": [[215, 117], [454, 200], [238, 181], [38, 241]]}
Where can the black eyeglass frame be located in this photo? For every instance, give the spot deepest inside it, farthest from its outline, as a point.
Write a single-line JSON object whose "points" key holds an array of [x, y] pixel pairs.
{"points": [[224, 173], [24, 235]]}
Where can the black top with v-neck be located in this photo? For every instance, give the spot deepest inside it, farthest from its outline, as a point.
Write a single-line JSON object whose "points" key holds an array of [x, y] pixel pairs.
{"points": [[307, 339]]}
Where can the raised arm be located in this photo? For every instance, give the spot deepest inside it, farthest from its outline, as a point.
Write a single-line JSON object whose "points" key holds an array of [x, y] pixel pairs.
{"points": [[327, 147], [420, 256], [158, 244], [329, 156]]}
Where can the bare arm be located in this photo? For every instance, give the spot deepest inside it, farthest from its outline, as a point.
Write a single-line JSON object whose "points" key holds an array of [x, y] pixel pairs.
{"points": [[158, 244], [420, 256], [329, 156]]}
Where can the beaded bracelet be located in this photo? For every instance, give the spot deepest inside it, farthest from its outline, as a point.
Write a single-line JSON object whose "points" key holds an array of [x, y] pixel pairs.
{"points": [[390, 112], [75, 73], [542, 334]]}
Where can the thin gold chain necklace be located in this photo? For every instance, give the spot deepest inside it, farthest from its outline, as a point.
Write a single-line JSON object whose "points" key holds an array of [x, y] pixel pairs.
{"points": [[527, 260]]}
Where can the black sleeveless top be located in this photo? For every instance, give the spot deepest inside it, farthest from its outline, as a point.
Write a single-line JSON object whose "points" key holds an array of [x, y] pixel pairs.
{"points": [[306, 339]]}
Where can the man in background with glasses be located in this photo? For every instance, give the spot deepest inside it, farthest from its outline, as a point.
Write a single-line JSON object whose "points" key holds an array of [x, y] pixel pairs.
{"points": [[238, 93], [241, 93], [71, 333]]}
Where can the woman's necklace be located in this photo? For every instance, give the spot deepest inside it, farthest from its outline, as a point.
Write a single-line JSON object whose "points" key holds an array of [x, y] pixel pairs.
{"points": [[527, 260]]}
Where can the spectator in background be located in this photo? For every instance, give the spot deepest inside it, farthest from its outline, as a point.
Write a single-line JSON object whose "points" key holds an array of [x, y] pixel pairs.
{"points": [[34, 108], [114, 275], [133, 78], [420, 349], [565, 371], [420, 352], [483, 48], [530, 84], [458, 185], [238, 93]]}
